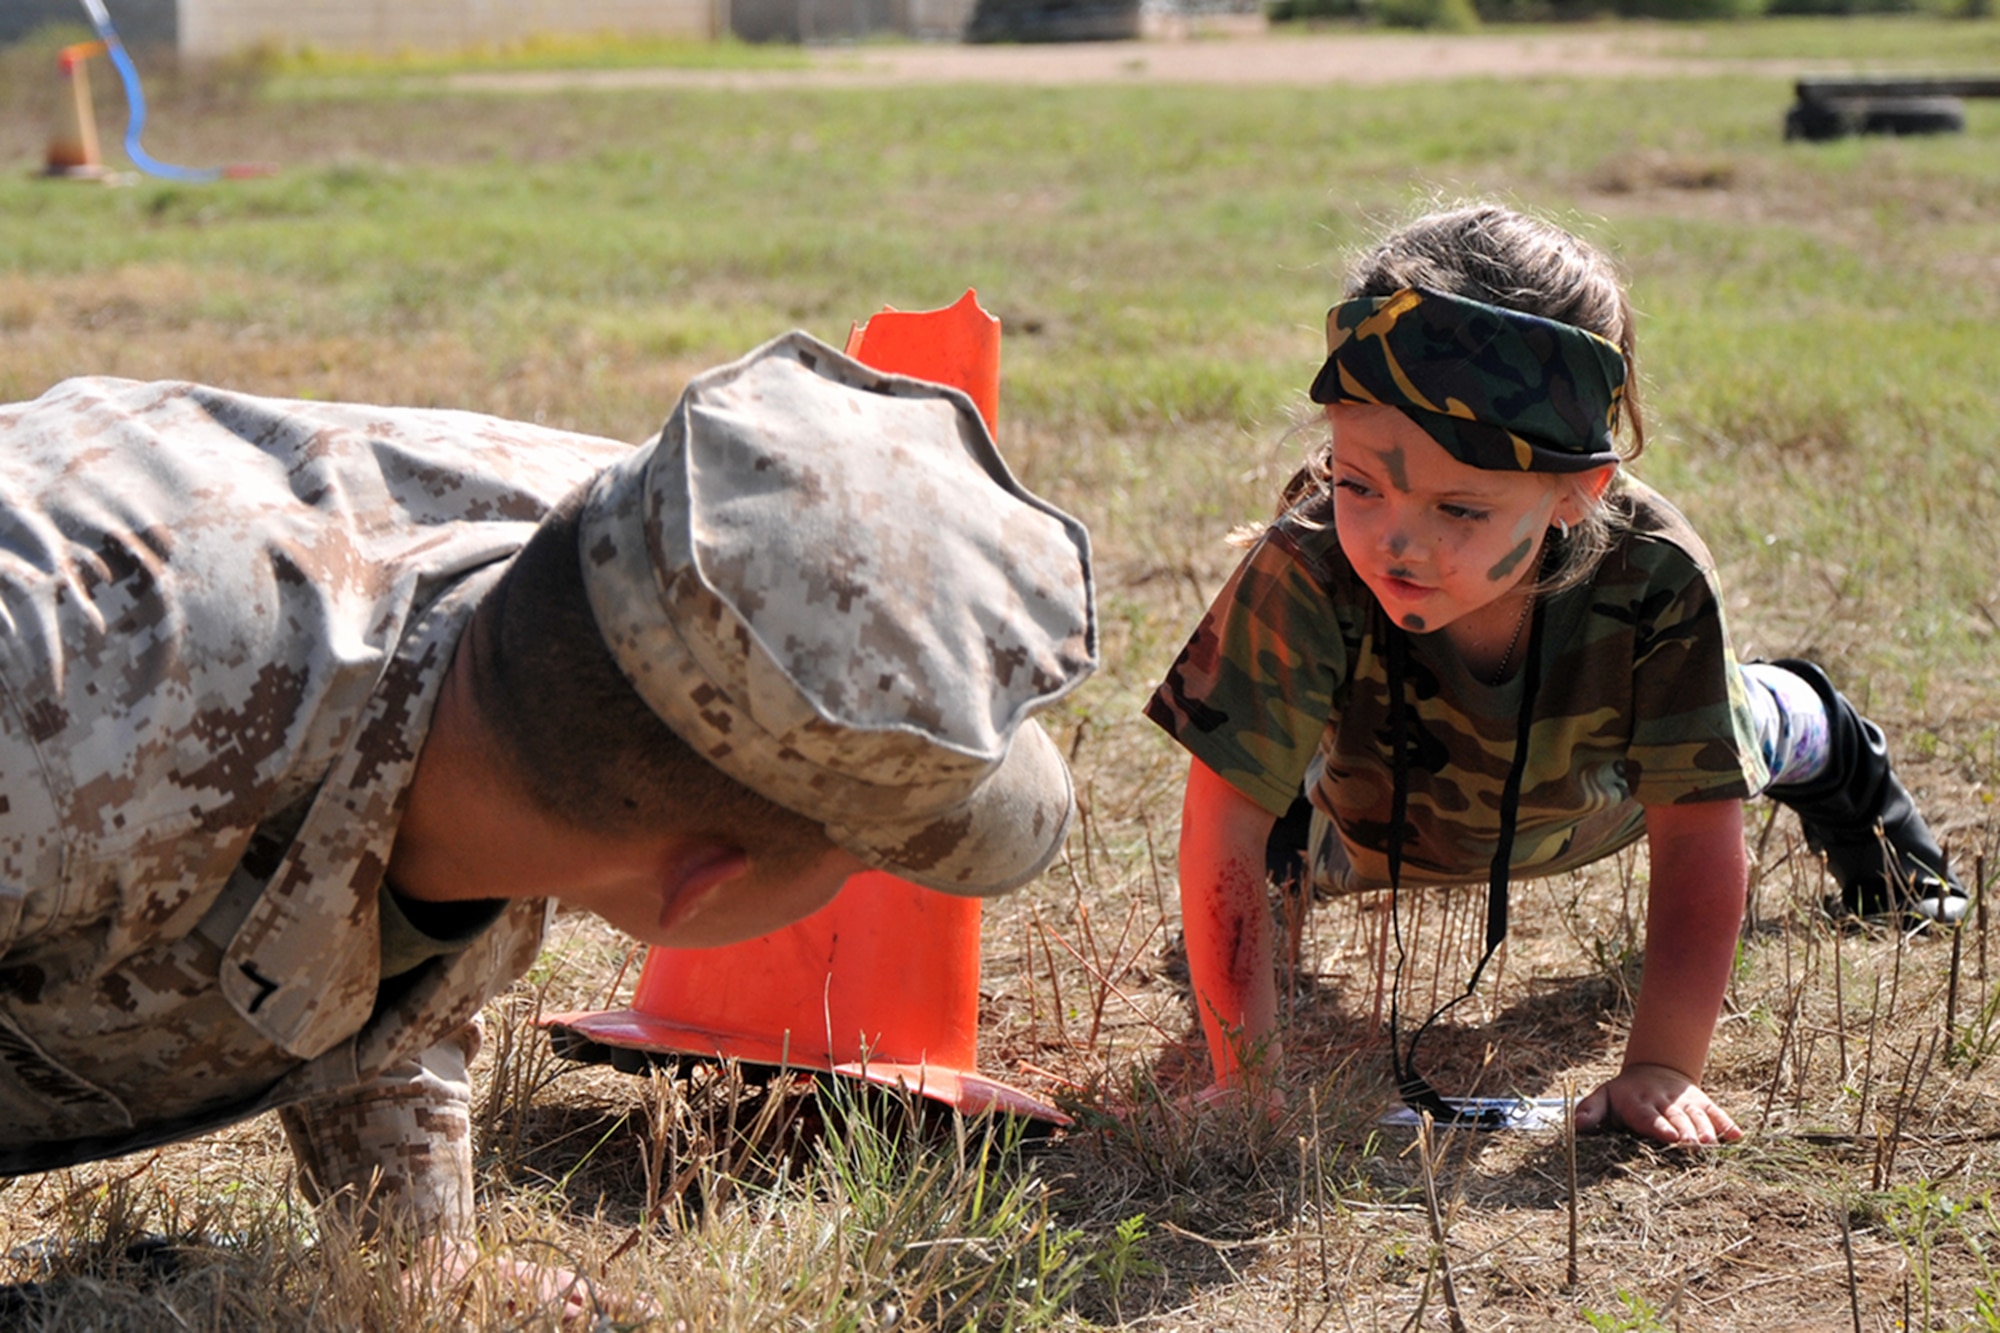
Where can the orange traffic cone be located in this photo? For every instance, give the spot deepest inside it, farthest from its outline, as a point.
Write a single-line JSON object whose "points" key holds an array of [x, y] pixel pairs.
{"points": [[958, 346], [882, 983], [73, 140]]}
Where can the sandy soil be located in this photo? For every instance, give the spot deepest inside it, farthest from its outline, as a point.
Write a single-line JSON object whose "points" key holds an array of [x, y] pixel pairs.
{"points": [[1301, 60]]}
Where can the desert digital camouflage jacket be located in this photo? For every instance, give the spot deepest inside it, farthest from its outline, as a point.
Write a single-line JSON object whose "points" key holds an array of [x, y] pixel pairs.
{"points": [[223, 623], [1283, 687]]}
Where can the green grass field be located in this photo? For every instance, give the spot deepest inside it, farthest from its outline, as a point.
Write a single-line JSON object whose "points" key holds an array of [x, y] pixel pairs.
{"points": [[1817, 346]]}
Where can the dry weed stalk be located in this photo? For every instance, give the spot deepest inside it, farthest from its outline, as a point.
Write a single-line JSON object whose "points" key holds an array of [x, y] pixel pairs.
{"points": [[1802, 1078], [1107, 974], [1569, 1159], [524, 1064], [1319, 1195], [1868, 1062], [1440, 1252], [1906, 1099], [1759, 868], [1840, 1003], [1896, 973], [1951, 990], [1042, 933], [1842, 1212], [1979, 909], [1792, 1007]]}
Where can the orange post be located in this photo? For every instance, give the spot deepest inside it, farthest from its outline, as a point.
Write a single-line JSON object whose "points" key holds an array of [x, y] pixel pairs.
{"points": [[73, 151], [883, 982]]}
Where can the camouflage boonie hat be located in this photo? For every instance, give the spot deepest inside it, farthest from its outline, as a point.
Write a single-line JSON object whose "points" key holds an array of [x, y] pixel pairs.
{"points": [[825, 579], [1499, 389]]}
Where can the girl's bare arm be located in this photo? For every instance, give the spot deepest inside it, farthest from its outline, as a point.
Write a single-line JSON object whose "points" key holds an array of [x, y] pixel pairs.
{"points": [[1228, 921], [1694, 912]]}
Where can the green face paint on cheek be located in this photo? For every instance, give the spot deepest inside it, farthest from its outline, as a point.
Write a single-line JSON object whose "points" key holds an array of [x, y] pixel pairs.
{"points": [[1510, 562]]}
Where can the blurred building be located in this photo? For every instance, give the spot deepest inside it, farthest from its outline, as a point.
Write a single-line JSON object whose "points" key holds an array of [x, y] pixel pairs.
{"points": [[847, 20], [216, 27], [222, 27], [140, 22], [1054, 21]]}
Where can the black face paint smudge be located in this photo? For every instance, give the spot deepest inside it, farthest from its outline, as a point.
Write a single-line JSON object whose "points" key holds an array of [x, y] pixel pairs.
{"points": [[1414, 623], [1399, 470]]}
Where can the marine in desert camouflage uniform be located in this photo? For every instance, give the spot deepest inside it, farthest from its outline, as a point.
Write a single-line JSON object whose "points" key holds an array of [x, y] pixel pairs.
{"points": [[234, 625]]}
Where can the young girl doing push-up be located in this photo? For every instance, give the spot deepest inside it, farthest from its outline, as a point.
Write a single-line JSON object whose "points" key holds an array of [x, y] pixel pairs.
{"points": [[1484, 651]]}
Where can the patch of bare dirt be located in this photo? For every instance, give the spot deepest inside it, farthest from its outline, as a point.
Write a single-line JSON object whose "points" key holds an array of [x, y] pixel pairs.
{"points": [[1295, 60]]}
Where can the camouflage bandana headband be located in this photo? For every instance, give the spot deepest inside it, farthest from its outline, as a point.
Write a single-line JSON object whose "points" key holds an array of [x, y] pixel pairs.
{"points": [[1499, 389]]}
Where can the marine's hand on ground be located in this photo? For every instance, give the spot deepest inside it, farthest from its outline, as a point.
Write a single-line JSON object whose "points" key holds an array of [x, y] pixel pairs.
{"points": [[526, 1287], [1657, 1102]]}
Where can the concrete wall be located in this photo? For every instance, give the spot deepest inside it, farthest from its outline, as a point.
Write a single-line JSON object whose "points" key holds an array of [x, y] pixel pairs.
{"points": [[218, 27], [140, 23], [221, 27]]}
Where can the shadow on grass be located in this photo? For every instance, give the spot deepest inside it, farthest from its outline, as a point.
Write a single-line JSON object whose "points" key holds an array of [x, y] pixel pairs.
{"points": [[627, 1147], [1332, 1022], [1166, 1199], [1523, 1051], [1219, 1185]]}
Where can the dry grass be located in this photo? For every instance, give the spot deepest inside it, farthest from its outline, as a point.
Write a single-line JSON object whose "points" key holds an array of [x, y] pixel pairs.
{"points": [[1140, 397]]}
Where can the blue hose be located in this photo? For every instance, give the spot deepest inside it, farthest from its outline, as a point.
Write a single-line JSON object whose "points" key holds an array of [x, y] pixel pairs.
{"points": [[135, 102]]}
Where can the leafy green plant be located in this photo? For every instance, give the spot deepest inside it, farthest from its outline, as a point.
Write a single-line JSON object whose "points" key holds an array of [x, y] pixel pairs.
{"points": [[1636, 1315], [1120, 1260]]}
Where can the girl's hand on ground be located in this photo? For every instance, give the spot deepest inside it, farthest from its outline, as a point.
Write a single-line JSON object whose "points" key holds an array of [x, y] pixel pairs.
{"points": [[1657, 1102]]}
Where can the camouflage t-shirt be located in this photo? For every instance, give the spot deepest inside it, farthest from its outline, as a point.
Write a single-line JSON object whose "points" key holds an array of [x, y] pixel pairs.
{"points": [[223, 624], [1284, 688]]}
